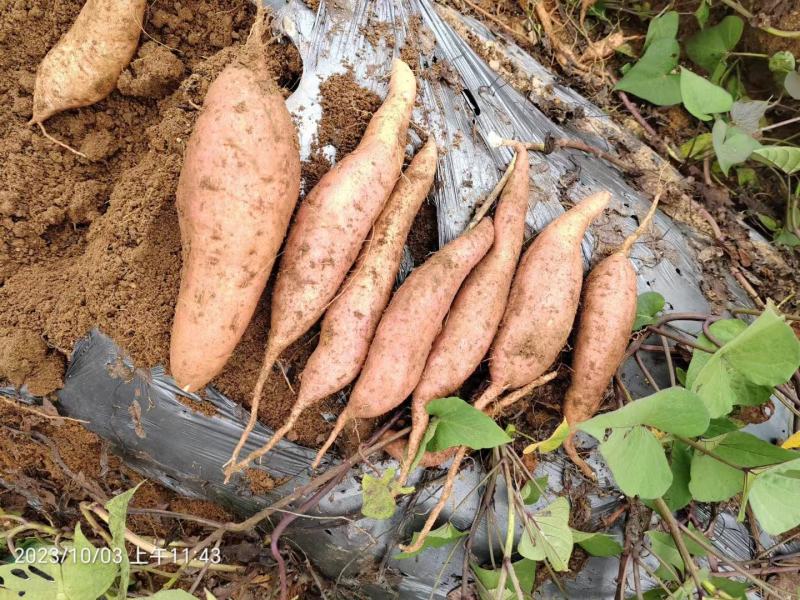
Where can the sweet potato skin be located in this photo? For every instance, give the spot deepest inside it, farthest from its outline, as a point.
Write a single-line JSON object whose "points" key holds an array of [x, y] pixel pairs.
{"points": [[337, 215], [411, 322], [84, 65], [607, 316], [350, 321], [408, 327], [238, 187], [478, 307], [543, 299]]}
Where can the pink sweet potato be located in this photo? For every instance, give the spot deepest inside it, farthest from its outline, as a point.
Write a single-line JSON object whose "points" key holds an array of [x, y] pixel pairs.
{"points": [[478, 308], [83, 67], [607, 316], [238, 187], [330, 227], [408, 328], [543, 300], [350, 322]]}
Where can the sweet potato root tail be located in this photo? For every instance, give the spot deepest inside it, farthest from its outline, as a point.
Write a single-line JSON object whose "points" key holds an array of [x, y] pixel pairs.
{"points": [[270, 357], [447, 489], [572, 453], [626, 246], [419, 423], [344, 419]]}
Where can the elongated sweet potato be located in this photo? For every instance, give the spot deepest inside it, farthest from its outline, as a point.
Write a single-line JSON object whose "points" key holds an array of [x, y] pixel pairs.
{"points": [[543, 300], [350, 322], [408, 328], [477, 309], [83, 67], [238, 187], [330, 227], [604, 328]]}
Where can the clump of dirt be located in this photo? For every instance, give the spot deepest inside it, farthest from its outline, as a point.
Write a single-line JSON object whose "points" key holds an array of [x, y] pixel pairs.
{"points": [[346, 111], [26, 361], [260, 482], [154, 74]]}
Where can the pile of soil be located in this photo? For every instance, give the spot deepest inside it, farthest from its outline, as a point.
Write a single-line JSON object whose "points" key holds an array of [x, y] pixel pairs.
{"points": [[94, 242]]}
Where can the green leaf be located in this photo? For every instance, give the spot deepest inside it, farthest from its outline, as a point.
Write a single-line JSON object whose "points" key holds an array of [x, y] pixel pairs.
{"points": [[697, 147], [714, 481], [461, 424], [792, 84], [767, 352], [701, 97], [731, 145], [773, 497], [782, 62], [746, 177], [662, 544], [674, 410], [442, 536], [648, 305], [719, 426], [423, 446], [735, 589], [637, 461], [747, 114], [711, 480], [752, 360], [597, 544], [84, 575], [547, 535], [786, 238], [117, 509], [533, 490], [702, 13], [678, 494], [651, 78], [378, 495], [746, 450], [786, 158], [681, 375], [664, 27], [722, 384], [28, 580], [707, 48], [553, 442], [525, 570]]}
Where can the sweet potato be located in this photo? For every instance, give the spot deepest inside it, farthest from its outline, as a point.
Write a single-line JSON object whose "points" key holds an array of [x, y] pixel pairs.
{"points": [[238, 187], [543, 300], [330, 227], [607, 316], [408, 328], [350, 322], [83, 67], [477, 308]]}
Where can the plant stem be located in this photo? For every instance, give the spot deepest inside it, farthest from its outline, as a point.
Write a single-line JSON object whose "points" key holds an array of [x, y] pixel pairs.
{"points": [[707, 452], [508, 547], [743, 572], [675, 532], [748, 15]]}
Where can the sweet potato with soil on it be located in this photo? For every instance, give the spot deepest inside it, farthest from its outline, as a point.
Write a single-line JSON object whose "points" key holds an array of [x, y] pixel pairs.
{"points": [[350, 322], [83, 67], [607, 316], [238, 187], [408, 328], [543, 300], [329, 229], [477, 309]]}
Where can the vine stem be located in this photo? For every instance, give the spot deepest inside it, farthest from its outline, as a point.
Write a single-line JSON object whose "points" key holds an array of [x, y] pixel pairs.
{"points": [[675, 532], [508, 547], [707, 452]]}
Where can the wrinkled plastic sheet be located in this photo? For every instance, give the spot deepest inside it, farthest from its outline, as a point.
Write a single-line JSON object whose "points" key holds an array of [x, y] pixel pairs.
{"points": [[139, 410]]}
